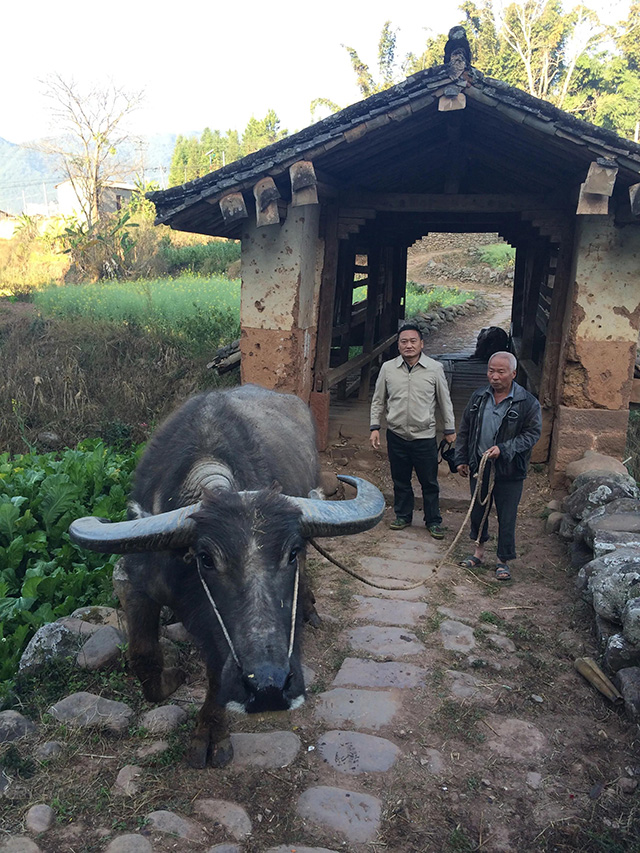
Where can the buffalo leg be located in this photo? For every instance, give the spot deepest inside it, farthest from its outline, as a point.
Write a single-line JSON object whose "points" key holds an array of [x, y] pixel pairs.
{"points": [[306, 598], [145, 654], [210, 743]]}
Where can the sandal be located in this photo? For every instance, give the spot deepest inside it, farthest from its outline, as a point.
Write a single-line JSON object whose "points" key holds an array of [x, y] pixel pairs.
{"points": [[470, 562], [502, 572]]}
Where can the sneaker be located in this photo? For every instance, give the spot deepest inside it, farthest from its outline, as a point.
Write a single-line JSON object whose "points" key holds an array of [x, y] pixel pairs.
{"points": [[436, 531], [399, 524]]}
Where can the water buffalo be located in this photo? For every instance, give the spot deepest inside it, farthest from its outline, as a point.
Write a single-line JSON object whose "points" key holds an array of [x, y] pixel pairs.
{"points": [[491, 340], [218, 522]]}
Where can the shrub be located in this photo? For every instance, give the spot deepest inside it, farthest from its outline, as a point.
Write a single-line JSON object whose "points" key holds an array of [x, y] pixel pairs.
{"points": [[202, 258]]}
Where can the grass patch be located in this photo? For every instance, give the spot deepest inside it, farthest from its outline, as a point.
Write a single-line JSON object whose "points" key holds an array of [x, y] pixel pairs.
{"points": [[421, 301], [499, 256], [491, 619], [454, 720]]}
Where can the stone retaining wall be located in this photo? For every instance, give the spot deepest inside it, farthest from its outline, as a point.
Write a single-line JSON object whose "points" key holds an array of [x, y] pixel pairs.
{"points": [[600, 521]]}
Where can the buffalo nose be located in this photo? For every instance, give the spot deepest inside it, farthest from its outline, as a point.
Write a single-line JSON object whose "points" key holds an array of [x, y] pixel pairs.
{"points": [[267, 679]]}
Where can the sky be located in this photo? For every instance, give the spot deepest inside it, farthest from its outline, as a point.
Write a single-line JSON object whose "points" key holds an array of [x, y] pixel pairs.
{"points": [[205, 63]]}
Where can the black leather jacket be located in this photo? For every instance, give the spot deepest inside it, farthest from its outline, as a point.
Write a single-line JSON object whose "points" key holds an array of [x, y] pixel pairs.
{"points": [[519, 430]]}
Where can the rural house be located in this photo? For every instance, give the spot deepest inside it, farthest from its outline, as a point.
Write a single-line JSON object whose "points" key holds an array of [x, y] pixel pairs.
{"points": [[113, 197], [447, 150]]}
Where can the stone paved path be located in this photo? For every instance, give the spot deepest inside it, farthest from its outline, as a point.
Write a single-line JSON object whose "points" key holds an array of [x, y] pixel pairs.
{"points": [[404, 656]]}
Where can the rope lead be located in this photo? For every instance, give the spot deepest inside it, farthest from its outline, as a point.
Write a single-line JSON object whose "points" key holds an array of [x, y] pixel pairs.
{"points": [[484, 461]]}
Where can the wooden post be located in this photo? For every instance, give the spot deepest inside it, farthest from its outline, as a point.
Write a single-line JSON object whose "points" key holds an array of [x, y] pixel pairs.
{"points": [[319, 398], [344, 300], [518, 290], [376, 266], [549, 391], [538, 262]]}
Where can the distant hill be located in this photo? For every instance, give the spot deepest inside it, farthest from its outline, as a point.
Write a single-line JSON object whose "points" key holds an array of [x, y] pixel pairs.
{"points": [[28, 177], [25, 176]]}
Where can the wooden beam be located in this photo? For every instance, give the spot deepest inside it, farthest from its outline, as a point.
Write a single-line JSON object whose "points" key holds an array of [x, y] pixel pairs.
{"points": [[590, 204], [233, 208], [304, 184], [336, 374], [266, 194], [358, 212], [634, 199], [453, 99], [439, 203], [601, 177]]}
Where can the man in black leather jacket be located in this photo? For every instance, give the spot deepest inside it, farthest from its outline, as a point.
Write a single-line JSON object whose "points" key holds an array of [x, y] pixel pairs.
{"points": [[504, 420]]}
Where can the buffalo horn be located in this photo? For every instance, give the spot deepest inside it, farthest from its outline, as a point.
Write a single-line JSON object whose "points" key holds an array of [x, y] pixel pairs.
{"points": [[176, 529], [341, 518], [151, 533]]}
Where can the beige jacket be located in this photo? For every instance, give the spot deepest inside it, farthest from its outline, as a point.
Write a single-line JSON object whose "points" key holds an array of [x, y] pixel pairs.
{"points": [[410, 398]]}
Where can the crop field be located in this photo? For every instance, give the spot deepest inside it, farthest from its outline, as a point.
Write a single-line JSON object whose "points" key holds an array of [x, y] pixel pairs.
{"points": [[154, 301], [195, 313]]}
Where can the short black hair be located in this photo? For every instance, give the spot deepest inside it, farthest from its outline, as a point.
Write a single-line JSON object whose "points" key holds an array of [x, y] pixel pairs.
{"points": [[410, 327]]}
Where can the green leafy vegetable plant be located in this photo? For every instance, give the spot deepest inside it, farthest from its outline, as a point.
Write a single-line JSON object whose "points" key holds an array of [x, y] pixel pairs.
{"points": [[43, 575]]}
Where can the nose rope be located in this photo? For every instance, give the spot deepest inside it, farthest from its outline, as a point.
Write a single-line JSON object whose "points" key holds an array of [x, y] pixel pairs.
{"points": [[294, 611], [219, 617]]}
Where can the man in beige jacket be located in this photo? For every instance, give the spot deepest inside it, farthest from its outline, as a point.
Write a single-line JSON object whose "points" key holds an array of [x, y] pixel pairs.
{"points": [[408, 390]]}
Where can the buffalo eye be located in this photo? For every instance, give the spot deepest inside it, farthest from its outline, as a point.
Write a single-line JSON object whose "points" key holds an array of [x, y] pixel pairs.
{"points": [[293, 556], [206, 560]]}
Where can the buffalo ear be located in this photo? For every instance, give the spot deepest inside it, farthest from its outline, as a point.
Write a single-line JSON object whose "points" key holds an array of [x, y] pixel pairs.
{"points": [[275, 488]]}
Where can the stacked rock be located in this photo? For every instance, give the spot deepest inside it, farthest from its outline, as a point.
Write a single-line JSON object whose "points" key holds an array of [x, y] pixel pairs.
{"points": [[601, 523]]}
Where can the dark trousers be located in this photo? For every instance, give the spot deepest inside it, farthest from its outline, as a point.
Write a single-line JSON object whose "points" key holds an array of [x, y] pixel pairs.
{"points": [[506, 496], [420, 455]]}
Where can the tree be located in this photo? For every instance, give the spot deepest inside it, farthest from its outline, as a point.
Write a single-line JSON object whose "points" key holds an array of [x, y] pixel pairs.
{"points": [[390, 71], [193, 157], [629, 39], [90, 127], [261, 132]]}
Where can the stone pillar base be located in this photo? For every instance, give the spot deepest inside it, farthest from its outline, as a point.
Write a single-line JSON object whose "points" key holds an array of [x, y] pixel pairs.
{"points": [[577, 430]]}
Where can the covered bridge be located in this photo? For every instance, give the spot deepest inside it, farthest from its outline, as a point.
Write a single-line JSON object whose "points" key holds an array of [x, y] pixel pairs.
{"points": [[338, 204]]}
